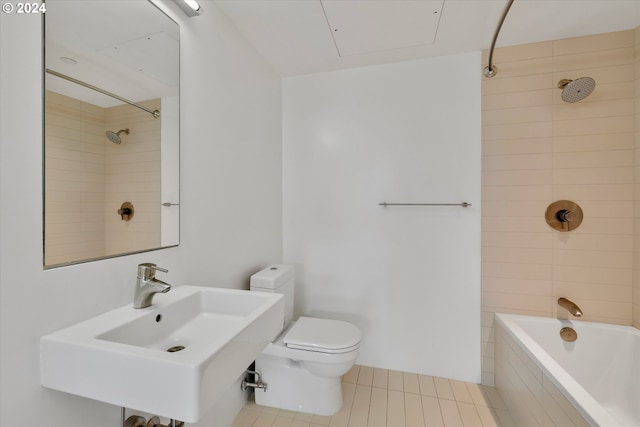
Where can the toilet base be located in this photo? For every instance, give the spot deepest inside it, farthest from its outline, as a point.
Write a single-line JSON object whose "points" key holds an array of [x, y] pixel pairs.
{"points": [[290, 386]]}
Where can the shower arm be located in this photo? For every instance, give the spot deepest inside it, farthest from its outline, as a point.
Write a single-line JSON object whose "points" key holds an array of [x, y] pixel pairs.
{"points": [[154, 113], [491, 70]]}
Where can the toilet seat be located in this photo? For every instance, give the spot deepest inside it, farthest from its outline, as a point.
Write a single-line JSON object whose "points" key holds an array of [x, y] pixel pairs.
{"points": [[323, 336], [278, 348]]}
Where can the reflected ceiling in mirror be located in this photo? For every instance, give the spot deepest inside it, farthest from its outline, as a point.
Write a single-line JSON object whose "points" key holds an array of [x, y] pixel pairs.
{"points": [[110, 164]]}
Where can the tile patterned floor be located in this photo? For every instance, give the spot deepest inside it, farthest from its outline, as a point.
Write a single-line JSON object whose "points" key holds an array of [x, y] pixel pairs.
{"points": [[384, 398]]}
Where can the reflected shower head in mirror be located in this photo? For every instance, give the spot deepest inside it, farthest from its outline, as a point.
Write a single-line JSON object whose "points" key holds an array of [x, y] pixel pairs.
{"points": [[576, 90], [115, 136]]}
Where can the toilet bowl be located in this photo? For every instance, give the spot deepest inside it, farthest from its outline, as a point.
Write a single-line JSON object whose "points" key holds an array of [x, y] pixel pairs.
{"points": [[302, 367]]}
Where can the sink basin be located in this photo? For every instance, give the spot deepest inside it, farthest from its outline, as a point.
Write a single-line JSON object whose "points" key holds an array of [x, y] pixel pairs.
{"points": [[173, 359]]}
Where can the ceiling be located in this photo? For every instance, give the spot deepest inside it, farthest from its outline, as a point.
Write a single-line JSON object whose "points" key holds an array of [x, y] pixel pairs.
{"points": [[131, 50], [309, 36]]}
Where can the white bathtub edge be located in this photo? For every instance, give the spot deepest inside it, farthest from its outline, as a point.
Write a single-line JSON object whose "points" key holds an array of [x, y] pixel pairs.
{"points": [[596, 415]]}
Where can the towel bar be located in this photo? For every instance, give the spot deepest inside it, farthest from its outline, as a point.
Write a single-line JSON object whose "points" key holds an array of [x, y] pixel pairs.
{"points": [[463, 204]]}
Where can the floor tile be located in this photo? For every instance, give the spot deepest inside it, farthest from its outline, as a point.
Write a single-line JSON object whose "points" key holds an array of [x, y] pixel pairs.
{"points": [[410, 383], [374, 397], [365, 377], [320, 420], [281, 421], [246, 417], [413, 410], [380, 378], [450, 413], [487, 417], [395, 409], [352, 375], [460, 391], [378, 408], [431, 411], [287, 413], [443, 388], [360, 406], [395, 380], [303, 417], [469, 414], [477, 395], [427, 386], [265, 419]]}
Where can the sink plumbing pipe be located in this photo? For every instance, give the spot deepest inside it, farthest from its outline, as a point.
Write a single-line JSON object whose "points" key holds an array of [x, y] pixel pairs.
{"points": [[257, 384], [139, 421]]}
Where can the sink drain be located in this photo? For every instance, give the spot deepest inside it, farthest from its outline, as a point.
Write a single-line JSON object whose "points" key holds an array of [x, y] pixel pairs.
{"points": [[175, 348]]}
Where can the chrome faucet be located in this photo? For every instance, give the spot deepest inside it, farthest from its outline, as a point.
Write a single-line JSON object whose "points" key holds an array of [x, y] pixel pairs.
{"points": [[571, 306], [147, 285]]}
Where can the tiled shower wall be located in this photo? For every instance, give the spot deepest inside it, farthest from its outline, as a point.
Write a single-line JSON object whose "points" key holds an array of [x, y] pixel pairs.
{"points": [[132, 174], [74, 166], [537, 149]]}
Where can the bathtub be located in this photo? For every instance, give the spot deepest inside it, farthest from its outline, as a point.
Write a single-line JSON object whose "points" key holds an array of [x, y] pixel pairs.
{"points": [[545, 381]]}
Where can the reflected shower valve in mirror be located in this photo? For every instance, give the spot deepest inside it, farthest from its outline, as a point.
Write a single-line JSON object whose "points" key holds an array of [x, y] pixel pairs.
{"points": [[126, 211]]}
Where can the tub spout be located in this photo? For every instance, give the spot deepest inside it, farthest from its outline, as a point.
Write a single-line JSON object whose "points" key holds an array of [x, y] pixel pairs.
{"points": [[571, 306]]}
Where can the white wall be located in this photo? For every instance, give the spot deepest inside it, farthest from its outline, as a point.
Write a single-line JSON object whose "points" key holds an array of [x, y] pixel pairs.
{"points": [[408, 276], [230, 167]]}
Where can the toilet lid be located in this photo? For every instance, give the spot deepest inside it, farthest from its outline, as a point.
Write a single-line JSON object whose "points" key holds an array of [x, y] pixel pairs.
{"points": [[323, 335]]}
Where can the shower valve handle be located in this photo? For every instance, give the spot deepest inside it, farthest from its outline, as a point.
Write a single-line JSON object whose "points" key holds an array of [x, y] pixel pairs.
{"points": [[565, 217], [126, 211]]}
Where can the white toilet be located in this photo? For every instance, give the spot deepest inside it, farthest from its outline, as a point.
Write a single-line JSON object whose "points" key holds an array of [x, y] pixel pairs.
{"points": [[303, 365]]}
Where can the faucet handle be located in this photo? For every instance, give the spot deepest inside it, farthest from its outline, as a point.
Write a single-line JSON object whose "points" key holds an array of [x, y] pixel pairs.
{"points": [[148, 270]]}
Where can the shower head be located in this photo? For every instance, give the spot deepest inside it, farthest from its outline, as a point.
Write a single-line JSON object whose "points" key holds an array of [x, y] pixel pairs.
{"points": [[115, 136], [576, 90]]}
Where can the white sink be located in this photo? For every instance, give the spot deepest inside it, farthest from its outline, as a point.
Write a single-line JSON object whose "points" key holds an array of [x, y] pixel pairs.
{"points": [[122, 357]]}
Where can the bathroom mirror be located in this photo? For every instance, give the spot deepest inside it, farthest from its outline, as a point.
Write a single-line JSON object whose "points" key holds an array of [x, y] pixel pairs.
{"points": [[111, 130]]}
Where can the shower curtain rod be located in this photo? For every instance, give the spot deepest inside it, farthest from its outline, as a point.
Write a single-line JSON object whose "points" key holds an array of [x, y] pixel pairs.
{"points": [[154, 113], [491, 70]]}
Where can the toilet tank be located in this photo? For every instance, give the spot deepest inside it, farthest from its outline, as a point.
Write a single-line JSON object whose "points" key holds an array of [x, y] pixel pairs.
{"points": [[277, 278]]}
